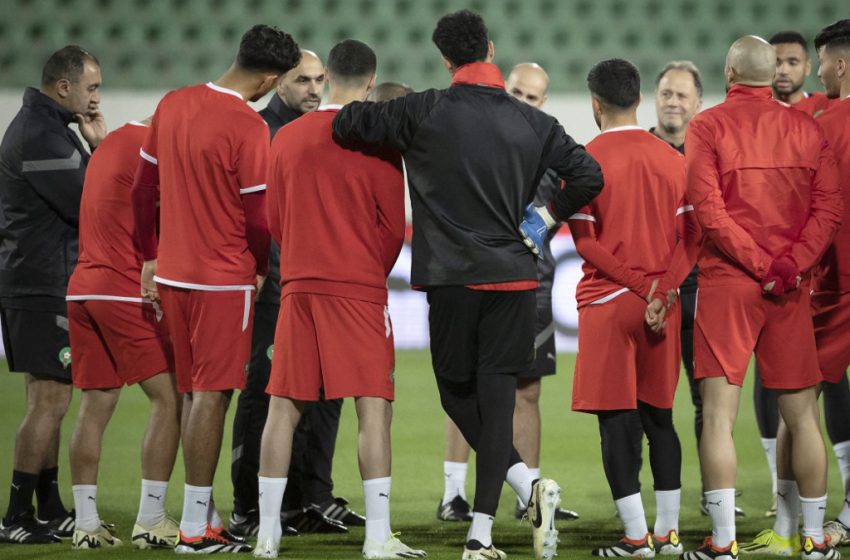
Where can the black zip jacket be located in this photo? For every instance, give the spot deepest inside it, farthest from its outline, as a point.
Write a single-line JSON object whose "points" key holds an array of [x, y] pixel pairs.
{"points": [[42, 167], [276, 114], [474, 158]]}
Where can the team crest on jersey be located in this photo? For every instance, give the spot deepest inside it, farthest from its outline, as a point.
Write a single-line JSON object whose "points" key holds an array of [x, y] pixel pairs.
{"points": [[65, 357], [270, 351]]}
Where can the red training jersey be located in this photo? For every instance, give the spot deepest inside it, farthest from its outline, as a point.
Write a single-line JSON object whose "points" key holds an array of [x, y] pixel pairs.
{"points": [[833, 274], [337, 213], [763, 183], [210, 149], [628, 233], [110, 263], [813, 104]]}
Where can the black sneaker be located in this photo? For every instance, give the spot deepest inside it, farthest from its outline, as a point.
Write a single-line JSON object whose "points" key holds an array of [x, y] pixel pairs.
{"points": [[24, 529], [710, 552], [338, 509], [211, 542], [311, 520], [244, 526], [62, 526], [456, 510], [560, 513], [643, 548]]}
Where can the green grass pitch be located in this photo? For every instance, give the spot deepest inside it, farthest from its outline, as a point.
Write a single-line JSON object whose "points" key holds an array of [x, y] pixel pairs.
{"points": [[570, 455]]}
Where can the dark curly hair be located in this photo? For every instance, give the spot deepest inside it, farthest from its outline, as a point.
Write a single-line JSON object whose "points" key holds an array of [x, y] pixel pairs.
{"points": [[462, 37], [268, 49], [834, 35], [616, 82]]}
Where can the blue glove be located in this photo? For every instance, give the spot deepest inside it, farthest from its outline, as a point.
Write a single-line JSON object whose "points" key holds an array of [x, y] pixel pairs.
{"points": [[534, 227]]}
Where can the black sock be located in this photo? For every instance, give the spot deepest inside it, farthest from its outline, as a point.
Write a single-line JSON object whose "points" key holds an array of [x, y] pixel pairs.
{"points": [[665, 451], [20, 496], [50, 504], [621, 433]]}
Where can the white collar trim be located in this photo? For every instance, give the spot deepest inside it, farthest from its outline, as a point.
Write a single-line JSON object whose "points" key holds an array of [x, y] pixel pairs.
{"points": [[224, 90], [329, 107], [621, 128], [137, 123]]}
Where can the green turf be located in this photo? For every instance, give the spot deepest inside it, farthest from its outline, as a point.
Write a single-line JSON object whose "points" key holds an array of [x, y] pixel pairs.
{"points": [[570, 455]]}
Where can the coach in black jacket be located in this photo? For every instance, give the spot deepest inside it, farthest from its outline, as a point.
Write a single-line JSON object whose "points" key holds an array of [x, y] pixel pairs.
{"points": [[42, 166], [474, 157]]}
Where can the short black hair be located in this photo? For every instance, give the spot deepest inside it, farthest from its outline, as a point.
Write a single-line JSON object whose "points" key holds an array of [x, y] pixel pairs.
{"points": [[66, 64], [388, 91], [352, 60], [615, 82], [462, 37], [264, 48], [682, 66], [789, 37], [834, 35]]}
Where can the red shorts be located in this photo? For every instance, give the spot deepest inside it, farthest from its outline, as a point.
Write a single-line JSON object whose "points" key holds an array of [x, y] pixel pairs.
{"points": [[731, 322], [621, 361], [211, 334], [832, 333], [117, 343], [344, 345]]}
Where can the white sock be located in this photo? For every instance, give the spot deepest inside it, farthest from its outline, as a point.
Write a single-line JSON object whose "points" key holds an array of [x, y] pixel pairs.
{"points": [[667, 503], [630, 512], [520, 479], [535, 475], [721, 508], [787, 508], [152, 503], [769, 446], [844, 516], [271, 498], [85, 500], [842, 455], [213, 518], [481, 529], [376, 491], [455, 477], [813, 512], [196, 504]]}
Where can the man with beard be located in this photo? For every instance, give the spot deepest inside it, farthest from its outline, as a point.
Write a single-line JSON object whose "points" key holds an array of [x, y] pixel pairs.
{"points": [[793, 66]]}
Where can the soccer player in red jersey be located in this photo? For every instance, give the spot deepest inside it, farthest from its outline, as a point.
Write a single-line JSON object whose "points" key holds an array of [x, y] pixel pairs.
{"points": [[793, 66], [638, 239], [334, 330], [831, 284], [206, 152], [768, 209], [118, 340]]}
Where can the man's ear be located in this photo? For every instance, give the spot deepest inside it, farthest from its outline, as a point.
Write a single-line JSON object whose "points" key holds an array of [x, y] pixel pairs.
{"points": [[491, 51], [449, 65], [63, 87]]}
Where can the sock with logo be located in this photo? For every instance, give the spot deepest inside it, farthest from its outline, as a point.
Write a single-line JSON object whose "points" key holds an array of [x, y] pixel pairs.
{"points": [[481, 529], [630, 512], [50, 504], [787, 508], [721, 508], [152, 503], [376, 491], [271, 497], [85, 502], [20, 494], [196, 503], [813, 511], [455, 480]]}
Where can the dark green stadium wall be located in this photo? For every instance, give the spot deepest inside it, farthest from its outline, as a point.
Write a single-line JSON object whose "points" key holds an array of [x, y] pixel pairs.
{"points": [[168, 43]]}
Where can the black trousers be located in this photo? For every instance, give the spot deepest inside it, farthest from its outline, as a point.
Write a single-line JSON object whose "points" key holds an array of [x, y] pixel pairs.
{"points": [[314, 439]]}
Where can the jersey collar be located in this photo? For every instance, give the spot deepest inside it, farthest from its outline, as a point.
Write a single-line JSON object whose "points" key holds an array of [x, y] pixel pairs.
{"points": [[225, 90], [479, 74], [622, 128], [743, 91]]}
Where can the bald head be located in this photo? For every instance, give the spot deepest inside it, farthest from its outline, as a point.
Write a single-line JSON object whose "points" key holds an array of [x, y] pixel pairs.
{"points": [[751, 62], [387, 91], [528, 82]]}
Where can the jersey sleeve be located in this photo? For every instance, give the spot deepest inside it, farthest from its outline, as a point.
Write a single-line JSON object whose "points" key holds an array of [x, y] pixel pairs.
{"points": [[704, 192], [580, 173], [386, 123], [252, 157], [389, 201], [148, 152], [685, 252]]}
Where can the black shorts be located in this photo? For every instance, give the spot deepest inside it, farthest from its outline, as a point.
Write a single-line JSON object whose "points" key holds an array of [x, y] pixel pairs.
{"points": [[482, 332], [36, 337]]}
